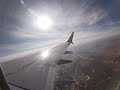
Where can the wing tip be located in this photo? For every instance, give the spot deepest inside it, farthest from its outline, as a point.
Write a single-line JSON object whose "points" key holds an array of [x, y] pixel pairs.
{"points": [[71, 38]]}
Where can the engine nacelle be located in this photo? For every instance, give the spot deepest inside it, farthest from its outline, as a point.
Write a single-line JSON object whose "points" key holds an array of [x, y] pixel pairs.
{"points": [[68, 52], [63, 62]]}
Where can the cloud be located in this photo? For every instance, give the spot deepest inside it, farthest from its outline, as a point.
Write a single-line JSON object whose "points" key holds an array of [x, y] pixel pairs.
{"points": [[69, 14], [79, 38], [81, 16]]}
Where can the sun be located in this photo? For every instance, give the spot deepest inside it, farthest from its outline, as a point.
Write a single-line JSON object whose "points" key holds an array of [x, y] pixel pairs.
{"points": [[44, 22]]}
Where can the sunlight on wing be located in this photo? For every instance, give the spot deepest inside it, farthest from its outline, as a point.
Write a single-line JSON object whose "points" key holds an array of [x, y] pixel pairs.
{"points": [[45, 54]]}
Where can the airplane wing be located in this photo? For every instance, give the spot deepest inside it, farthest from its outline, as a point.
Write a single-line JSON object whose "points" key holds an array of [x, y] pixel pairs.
{"points": [[36, 71], [3, 83]]}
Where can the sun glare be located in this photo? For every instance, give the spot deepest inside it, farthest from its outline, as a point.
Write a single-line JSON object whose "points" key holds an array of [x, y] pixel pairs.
{"points": [[45, 54], [44, 22]]}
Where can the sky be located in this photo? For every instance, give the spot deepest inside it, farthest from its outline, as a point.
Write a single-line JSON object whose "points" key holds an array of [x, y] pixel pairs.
{"points": [[89, 19]]}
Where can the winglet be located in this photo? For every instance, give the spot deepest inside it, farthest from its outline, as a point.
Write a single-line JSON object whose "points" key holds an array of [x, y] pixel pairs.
{"points": [[71, 38]]}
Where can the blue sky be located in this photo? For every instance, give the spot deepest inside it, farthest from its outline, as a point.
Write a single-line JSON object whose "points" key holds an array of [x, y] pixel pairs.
{"points": [[86, 17]]}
